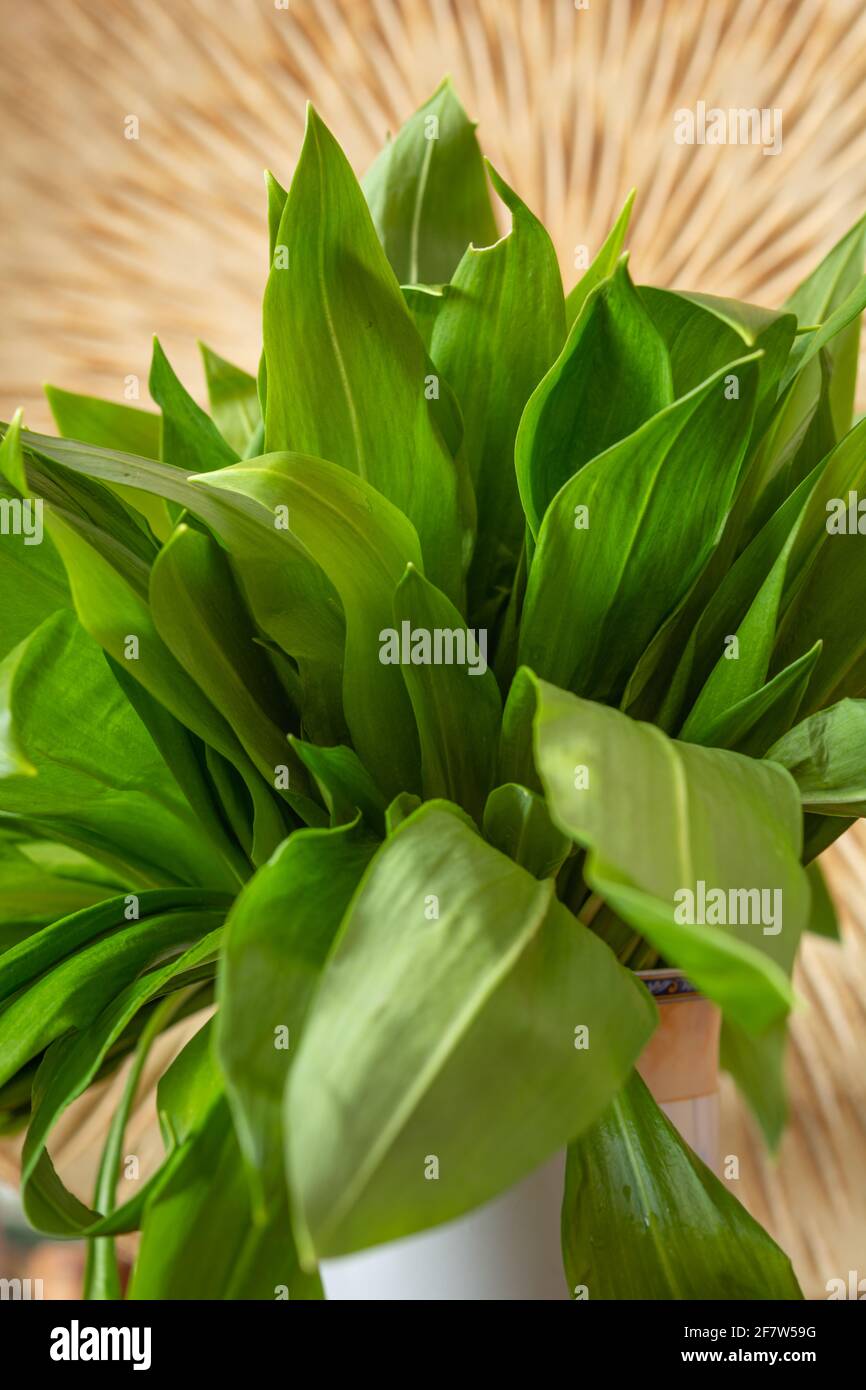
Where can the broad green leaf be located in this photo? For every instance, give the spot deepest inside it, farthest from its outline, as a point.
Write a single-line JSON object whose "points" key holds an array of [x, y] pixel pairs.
{"points": [[612, 375], [34, 893], [234, 401], [827, 580], [659, 818], [363, 544], [427, 191], [188, 438], [102, 1017], [105, 423], [741, 668], [516, 822], [200, 616], [304, 890], [726, 606], [644, 1218], [424, 303], [605, 263], [73, 992], [344, 784], [757, 720], [451, 959], [60, 939], [116, 613], [704, 333], [347, 372], [816, 300], [32, 578], [496, 334], [452, 691], [199, 1239], [826, 756], [629, 534], [822, 919], [289, 595], [113, 795], [114, 426]]}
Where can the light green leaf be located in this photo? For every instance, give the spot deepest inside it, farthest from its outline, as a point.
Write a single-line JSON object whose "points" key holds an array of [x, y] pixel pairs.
{"points": [[416, 1012], [427, 191], [517, 823], [188, 438], [345, 785], [105, 423], [234, 401], [347, 372], [450, 694], [660, 817], [305, 888], [644, 1218], [826, 756], [363, 544], [200, 616], [495, 336], [704, 333], [816, 301], [612, 375], [630, 534], [604, 264], [112, 796]]}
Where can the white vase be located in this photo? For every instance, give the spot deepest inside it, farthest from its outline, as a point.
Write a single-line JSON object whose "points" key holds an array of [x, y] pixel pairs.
{"points": [[510, 1249]]}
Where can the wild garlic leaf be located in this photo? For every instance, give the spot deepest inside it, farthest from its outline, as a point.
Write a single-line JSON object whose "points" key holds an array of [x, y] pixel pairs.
{"points": [[826, 756], [109, 424], [305, 887], [449, 696], [344, 784], [495, 335], [32, 578], [657, 817], [816, 300], [234, 401], [185, 1253], [290, 597], [630, 1181], [756, 720], [450, 955], [827, 580], [348, 375], [704, 333], [112, 796], [516, 822], [363, 544], [611, 376], [114, 426], [188, 438], [200, 616], [428, 194], [603, 265], [742, 664], [630, 533], [73, 1062]]}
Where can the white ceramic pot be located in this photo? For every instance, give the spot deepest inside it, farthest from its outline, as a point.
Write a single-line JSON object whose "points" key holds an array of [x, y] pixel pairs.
{"points": [[510, 1248]]}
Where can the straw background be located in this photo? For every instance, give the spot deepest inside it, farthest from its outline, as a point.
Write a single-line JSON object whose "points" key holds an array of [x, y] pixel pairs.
{"points": [[106, 240]]}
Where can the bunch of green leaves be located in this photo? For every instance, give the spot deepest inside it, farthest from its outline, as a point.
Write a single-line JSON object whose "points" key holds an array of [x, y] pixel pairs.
{"points": [[392, 894]]}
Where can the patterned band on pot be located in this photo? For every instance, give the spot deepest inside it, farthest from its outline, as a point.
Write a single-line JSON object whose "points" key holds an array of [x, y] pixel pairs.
{"points": [[669, 984]]}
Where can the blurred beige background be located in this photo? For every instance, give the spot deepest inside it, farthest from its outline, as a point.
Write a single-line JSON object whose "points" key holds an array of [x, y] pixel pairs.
{"points": [[107, 240]]}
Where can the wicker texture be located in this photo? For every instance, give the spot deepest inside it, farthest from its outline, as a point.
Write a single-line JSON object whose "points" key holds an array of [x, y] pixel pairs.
{"points": [[108, 239]]}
